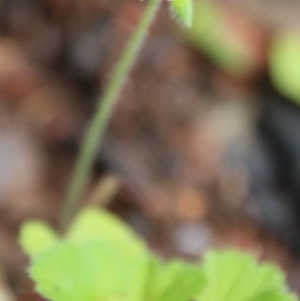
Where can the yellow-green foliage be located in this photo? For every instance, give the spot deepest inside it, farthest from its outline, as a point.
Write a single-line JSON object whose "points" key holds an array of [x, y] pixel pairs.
{"points": [[284, 65], [101, 259]]}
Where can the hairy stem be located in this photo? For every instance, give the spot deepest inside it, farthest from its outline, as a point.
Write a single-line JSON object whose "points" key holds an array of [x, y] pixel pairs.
{"points": [[95, 132]]}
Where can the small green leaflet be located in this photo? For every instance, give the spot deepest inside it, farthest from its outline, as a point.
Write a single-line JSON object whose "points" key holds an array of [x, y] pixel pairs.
{"points": [[183, 11], [210, 35], [284, 64], [36, 237], [234, 276]]}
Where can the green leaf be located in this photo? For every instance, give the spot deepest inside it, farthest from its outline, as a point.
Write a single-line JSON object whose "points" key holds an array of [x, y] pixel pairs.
{"points": [[92, 224], [175, 281], [36, 237], [91, 271], [183, 10], [235, 276], [211, 34], [101, 259], [284, 65], [98, 272], [94, 271]]}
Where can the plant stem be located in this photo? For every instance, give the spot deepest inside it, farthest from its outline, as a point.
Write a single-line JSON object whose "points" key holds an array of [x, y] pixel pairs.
{"points": [[95, 132]]}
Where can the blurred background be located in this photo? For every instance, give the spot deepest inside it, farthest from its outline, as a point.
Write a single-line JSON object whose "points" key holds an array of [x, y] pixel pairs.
{"points": [[203, 149]]}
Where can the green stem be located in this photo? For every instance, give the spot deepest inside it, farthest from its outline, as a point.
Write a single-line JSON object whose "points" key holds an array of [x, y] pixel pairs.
{"points": [[95, 132]]}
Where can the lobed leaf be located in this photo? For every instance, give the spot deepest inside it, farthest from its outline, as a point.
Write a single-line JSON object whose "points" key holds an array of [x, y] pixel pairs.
{"points": [[91, 271], [235, 276], [101, 259]]}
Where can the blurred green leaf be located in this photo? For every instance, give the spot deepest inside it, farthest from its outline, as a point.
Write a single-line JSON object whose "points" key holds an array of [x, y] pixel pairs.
{"points": [[183, 11], [235, 276], [101, 259], [94, 271], [91, 271], [175, 281], [211, 34], [92, 224], [36, 237], [284, 65]]}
